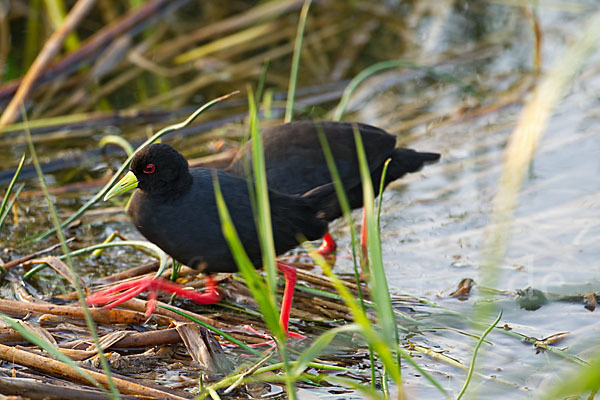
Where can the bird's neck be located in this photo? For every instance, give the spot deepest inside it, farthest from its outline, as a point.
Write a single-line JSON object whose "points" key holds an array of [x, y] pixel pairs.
{"points": [[173, 189]]}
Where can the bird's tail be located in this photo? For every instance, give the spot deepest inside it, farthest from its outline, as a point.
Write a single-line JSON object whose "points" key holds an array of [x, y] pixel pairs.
{"points": [[324, 198], [408, 160], [405, 161]]}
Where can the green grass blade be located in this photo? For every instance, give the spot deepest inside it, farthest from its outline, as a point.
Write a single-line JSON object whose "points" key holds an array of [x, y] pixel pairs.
{"points": [[261, 191], [318, 345], [289, 106], [253, 280], [381, 66], [117, 140], [175, 270], [260, 88], [162, 257], [260, 291], [381, 187], [378, 282], [265, 234], [213, 394], [294, 364], [254, 374], [215, 330], [378, 224], [125, 164], [12, 182], [360, 317], [347, 213], [472, 366], [344, 204], [6, 210], [65, 249], [265, 231], [9, 189]]}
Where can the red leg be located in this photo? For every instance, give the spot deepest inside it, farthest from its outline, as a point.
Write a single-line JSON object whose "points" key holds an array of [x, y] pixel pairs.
{"points": [[288, 294], [289, 273], [363, 234], [328, 246]]}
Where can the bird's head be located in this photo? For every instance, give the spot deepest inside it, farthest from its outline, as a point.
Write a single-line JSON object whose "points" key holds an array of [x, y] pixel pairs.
{"points": [[157, 169]]}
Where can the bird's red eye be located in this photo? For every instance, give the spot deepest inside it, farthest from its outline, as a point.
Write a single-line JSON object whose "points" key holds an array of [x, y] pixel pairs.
{"points": [[149, 168]]}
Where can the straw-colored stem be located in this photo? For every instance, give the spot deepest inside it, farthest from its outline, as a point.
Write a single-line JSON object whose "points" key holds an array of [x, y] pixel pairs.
{"points": [[54, 216], [289, 107]]}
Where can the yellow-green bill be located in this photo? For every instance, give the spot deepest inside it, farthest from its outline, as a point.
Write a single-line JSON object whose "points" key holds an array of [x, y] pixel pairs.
{"points": [[128, 182]]}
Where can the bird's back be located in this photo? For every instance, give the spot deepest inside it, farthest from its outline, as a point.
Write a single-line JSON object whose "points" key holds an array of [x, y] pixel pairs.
{"points": [[295, 162], [294, 158]]}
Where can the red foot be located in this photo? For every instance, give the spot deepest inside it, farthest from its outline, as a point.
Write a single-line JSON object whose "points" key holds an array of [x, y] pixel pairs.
{"points": [[264, 336], [269, 342], [328, 246], [114, 296], [286, 303]]}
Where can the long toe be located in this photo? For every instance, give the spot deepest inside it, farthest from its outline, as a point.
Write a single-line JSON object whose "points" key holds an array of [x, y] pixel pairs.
{"points": [[119, 293]]}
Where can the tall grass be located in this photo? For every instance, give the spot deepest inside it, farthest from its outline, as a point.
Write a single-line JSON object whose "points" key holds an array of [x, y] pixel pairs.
{"points": [[347, 215], [56, 13], [378, 283], [65, 249], [263, 208], [391, 64], [383, 339], [475, 350], [7, 202], [289, 106], [263, 292], [67, 254], [257, 285], [98, 196]]}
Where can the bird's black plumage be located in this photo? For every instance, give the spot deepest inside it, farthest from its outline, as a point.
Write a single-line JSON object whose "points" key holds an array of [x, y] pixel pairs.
{"points": [[175, 208], [295, 162]]}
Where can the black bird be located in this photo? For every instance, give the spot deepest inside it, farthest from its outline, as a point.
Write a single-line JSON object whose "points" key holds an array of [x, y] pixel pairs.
{"points": [[295, 165], [295, 162], [174, 207]]}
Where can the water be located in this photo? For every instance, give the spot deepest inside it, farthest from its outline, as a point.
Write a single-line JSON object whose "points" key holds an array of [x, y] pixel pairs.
{"points": [[434, 225]]}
